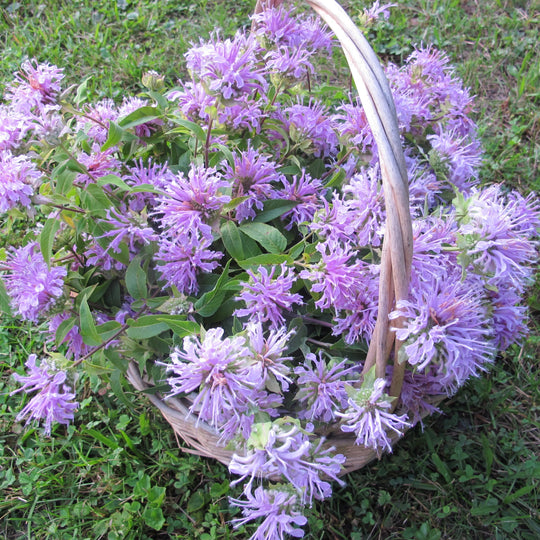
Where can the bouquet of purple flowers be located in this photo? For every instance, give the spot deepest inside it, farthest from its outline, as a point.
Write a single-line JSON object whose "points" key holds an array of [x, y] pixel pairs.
{"points": [[224, 240]]}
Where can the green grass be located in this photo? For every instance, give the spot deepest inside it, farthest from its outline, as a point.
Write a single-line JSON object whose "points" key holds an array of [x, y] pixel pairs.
{"points": [[118, 473]]}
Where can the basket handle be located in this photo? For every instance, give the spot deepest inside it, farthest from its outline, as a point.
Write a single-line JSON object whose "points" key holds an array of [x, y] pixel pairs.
{"points": [[376, 98]]}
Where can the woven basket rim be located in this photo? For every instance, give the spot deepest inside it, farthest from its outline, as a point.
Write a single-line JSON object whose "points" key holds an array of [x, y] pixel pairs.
{"points": [[376, 98]]}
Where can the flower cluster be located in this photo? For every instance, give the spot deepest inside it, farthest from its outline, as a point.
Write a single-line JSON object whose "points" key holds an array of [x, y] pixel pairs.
{"points": [[227, 234]]}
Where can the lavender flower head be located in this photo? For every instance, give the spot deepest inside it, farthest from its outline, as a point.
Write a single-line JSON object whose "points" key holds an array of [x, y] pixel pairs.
{"points": [[13, 128], [191, 204], [280, 509], [283, 28], [18, 179], [54, 399], [32, 286], [282, 448], [446, 328], [310, 128], [228, 67], [266, 296], [182, 258], [307, 193], [96, 118], [252, 177], [368, 415], [214, 367], [268, 356], [497, 235], [35, 85], [322, 387]]}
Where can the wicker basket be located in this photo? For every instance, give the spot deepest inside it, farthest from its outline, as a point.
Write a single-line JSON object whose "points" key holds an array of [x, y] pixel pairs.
{"points": [[376, 98]]}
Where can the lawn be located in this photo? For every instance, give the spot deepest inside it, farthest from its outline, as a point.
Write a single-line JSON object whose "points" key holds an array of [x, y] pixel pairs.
{"points": [[117, 472]]}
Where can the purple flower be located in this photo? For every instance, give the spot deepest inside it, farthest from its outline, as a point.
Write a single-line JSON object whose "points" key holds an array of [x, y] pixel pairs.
{"points": [[365, 210], [353, 126], [416, 393], [335, 276], [289, 62], [460, 155], [192, 203], [267, 297], [54, 399], [368, 416], [310, 127], [227, 67], [307, 192], [430, 236], [509, 316], [100, 257], [425, 189], [215, 368], [268, 356], [279, 508], [127, 227], [375, 11], [322, 387], [297, 32], [251, 176], [97, 164], [32, 286], [154, 175], [34, 86], [18, 179], [193, 101], [73, 339], [181, 259], [281, 448], [96, 118], [446, 328], [347, 286], [495, 236], [13, 128]]}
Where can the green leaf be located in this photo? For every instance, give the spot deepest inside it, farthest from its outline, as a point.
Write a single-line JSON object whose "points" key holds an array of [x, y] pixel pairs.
{"points": [[94, 199], [114, 136], [273, 209], [197, 501], [153, 517], [47, 236], [267, 236], [190, 127], [63, 329], [210, 302], [116, 379], [232, 239], [146, 327], [113, 180], [5, 301], [337, 179], [136, 279], [63, 179], [89, 333], [139, 116], [442, 467], [108, 330], [266, 259], [180, 326], [226, 152]]}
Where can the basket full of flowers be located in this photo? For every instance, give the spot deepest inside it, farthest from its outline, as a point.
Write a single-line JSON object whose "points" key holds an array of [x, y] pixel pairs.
{"points": [[293, 272]]}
